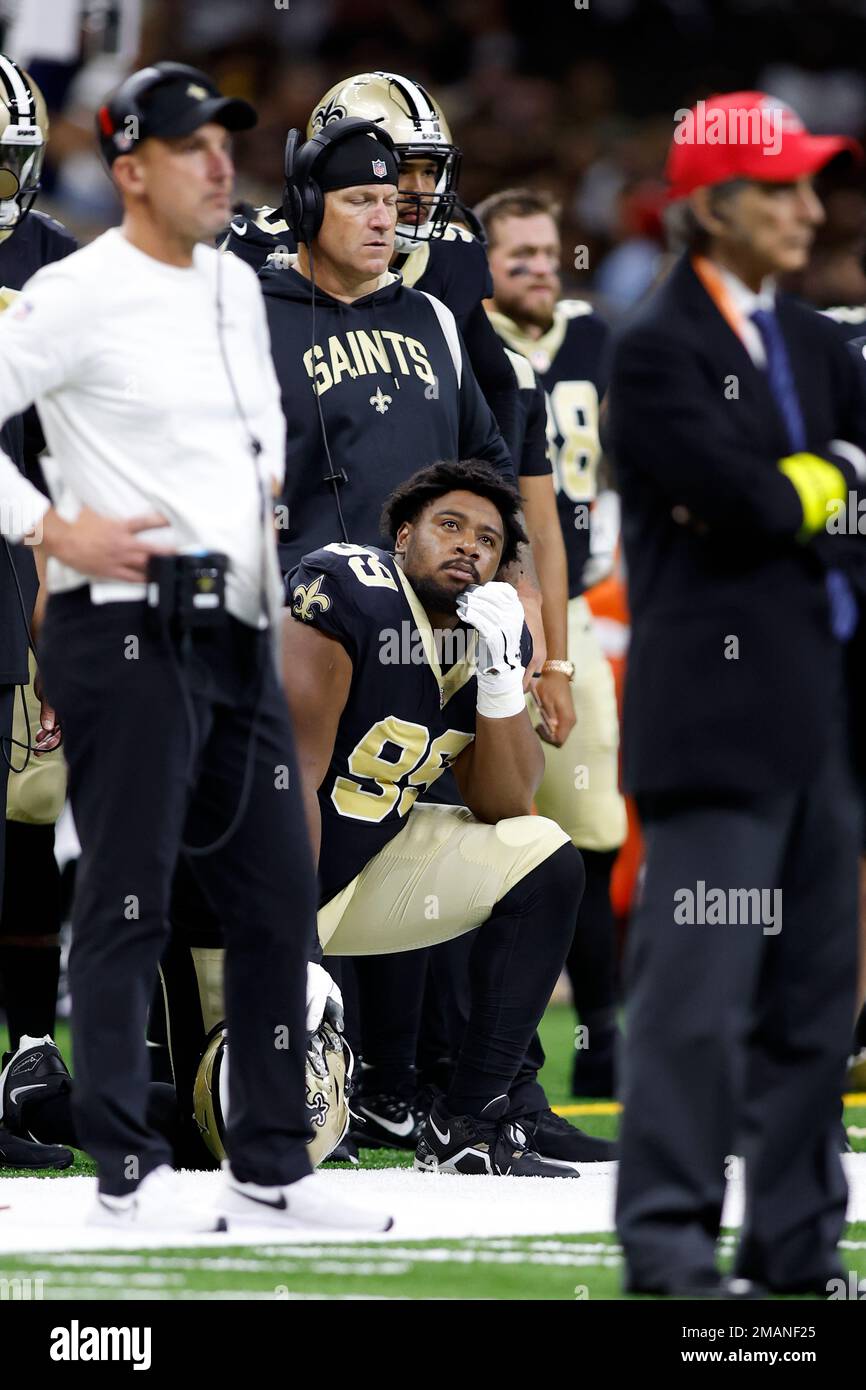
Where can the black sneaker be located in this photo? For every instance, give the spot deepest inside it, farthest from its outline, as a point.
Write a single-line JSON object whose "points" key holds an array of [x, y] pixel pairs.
{"points": [[556, 1140], [35, 1072], [16, 1152], [492, 1146], [389, 1122]]}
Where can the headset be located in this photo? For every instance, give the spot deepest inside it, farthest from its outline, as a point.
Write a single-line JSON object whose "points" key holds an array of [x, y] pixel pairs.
{"points": [[125, 105], [304, 211], [303, 199]]}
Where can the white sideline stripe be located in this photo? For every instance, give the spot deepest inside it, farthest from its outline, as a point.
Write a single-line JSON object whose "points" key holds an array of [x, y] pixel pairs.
{"points": [[48, 1214], [236, 1295], [386, 1265]]}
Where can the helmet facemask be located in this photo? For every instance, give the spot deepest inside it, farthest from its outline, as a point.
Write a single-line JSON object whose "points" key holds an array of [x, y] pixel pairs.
{"points": [[20, 172], [436, 208]]}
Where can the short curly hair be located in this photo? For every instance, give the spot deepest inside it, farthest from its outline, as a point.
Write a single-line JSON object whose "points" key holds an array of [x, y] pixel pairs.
{"points": [[466, 475]]}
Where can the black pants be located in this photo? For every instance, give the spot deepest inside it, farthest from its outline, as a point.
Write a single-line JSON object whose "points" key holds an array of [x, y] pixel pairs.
{"points": [[7, 710], [142, 778], [736, 1036], [514, 963], [30, 931]]}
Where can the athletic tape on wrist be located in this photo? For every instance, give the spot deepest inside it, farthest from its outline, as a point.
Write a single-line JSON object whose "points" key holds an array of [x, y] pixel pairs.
{"points": [[501, 703]]}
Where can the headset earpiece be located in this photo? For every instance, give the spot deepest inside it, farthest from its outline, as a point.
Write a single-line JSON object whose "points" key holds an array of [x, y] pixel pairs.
{"points": [[303, 201]]}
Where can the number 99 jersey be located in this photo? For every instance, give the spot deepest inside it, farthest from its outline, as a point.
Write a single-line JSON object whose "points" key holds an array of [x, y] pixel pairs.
{"points": [[571, 360], [408, 715]]}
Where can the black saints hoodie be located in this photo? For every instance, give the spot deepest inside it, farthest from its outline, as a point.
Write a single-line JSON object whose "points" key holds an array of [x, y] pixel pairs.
{"points": [[396, 393]]}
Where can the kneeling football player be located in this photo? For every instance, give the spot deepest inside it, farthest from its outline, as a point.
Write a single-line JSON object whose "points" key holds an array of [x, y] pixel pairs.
{"points": [[397, 666]]}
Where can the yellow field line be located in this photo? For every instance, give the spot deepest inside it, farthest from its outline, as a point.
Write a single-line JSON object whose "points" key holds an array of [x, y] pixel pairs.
{"points": [[591, 1107], [613, 1107]]}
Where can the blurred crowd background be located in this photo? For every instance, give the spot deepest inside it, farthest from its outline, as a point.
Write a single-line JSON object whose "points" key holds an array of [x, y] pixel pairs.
{"points": [[575, 96]]}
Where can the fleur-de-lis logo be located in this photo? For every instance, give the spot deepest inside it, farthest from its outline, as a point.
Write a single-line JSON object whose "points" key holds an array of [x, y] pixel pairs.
{"points": [[317, 1108], [307, 597], [326, 114], [381, 402]]}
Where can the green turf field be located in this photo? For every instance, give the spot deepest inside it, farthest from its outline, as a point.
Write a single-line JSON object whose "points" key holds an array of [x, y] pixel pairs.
{"points": [[566, 1267], [557, 1033], [562, 1268]]}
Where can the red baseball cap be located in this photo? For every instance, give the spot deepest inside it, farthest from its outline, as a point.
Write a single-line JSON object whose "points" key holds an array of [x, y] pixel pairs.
{"points": [[746, 135]]}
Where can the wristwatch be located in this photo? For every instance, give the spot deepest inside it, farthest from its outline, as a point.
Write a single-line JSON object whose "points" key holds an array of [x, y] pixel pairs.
{"points": [[566, 668]]}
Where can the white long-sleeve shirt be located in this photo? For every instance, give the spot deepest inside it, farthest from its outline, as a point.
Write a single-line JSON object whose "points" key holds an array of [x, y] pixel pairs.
{"points": [[121, 354]]}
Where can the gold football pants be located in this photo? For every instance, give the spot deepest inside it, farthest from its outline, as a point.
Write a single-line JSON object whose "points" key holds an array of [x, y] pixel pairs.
{"points": [[580, 789], [438, 878]]}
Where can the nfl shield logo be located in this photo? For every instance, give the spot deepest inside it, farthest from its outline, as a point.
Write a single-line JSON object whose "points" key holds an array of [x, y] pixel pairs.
{"points": [[379, 168]]}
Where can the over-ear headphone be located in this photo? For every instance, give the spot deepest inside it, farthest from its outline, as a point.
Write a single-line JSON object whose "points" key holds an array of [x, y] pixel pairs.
{"points": [[303, 199], [113, 116]]}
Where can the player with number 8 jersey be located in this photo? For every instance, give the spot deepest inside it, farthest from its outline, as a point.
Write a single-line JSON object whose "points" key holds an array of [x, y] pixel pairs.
{"points": [[566, 343]]}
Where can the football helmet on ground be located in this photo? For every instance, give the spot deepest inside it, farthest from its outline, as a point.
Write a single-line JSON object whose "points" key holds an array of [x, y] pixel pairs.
{"points": [[329, 1069]]}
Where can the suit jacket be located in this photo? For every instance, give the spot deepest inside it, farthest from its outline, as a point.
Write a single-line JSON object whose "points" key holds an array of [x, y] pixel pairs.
{"points": [[735, 681]]}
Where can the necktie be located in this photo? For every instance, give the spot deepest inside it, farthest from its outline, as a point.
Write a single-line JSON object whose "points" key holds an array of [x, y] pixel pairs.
{"points": [[780, 378]]}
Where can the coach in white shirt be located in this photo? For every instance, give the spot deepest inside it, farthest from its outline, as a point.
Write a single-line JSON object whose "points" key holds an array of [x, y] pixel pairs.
{"points": [[148, 356]]}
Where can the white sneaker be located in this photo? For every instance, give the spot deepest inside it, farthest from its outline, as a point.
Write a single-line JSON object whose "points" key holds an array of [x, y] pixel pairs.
{"points": [[307, 1202], [157, 1204]]}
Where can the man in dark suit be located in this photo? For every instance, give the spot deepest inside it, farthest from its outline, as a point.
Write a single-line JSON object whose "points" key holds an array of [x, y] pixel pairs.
{"points": [[738, 426]]}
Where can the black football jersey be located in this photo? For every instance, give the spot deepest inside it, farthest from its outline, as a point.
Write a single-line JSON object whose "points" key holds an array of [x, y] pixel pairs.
{"points": [[254, 234], [857, 348], [36, 242], [453, 267], [571, 360], [407, 717], [851, 320], [533, 452]]}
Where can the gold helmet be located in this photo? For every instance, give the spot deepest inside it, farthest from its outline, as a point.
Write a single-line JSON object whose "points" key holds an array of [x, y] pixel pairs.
{"points": [[23, 137], [417, 126], [328, 1086]]}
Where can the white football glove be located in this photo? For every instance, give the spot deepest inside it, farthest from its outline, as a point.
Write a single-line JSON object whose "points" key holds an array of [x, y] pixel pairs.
{"points": [[496, 613], [324, 1000]]}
